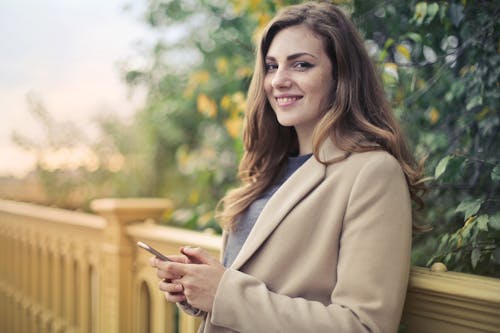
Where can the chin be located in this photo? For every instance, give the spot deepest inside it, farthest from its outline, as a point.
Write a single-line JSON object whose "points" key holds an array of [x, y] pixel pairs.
{"points": [[286, 122]]}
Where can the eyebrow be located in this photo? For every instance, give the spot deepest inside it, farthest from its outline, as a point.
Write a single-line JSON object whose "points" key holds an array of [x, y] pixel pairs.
{"points": [[293, 56]]}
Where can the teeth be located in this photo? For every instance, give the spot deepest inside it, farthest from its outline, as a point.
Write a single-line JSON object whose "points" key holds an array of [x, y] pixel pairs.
{"points": [[284, 100]]}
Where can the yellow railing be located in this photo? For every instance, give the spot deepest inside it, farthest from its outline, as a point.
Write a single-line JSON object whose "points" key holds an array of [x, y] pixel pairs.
{"points": [[63, 271]]}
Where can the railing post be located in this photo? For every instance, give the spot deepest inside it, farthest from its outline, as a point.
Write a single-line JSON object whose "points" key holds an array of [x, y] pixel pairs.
{"points": [[115, 275]]}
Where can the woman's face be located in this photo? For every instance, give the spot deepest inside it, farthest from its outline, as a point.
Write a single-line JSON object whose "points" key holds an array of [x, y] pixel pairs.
{"points": [[298, 80]]}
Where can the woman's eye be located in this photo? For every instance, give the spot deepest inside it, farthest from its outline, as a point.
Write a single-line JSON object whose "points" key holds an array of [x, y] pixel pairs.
{"points": [[270, 67], [302, 65]]}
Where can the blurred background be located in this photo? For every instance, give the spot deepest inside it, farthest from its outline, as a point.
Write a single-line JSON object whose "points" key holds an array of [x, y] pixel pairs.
{"points": [[145, 99]]}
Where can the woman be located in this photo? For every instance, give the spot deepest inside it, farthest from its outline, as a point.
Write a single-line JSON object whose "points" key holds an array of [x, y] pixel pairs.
{"points": [[318, 235]]}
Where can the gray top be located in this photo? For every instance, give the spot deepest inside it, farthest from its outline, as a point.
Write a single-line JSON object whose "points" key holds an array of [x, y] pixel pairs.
{"points": [[238, 236]]}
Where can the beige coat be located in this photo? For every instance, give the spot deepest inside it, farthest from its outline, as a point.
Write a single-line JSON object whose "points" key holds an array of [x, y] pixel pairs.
{"points": [[330, 252]]}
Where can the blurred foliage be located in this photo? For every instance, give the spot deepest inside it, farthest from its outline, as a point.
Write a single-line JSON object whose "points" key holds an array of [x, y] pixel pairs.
{"points": [[440, 64]]}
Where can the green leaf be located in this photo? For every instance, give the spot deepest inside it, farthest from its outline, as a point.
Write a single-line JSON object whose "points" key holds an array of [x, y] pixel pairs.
{"points": [[475, 256], [432, 10], [494, 221], [447, 258], [495, 173], [414, 37], [482, 222], [469, 207], [430, 261], [444, 240], [420, 12], [441, 167], [133, 77], [456, 14], [457, 89], [474, 101], [388, 43], [442, 11]]}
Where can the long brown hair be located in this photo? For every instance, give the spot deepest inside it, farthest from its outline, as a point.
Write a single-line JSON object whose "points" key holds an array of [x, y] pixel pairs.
{"points": [[359, 118]]}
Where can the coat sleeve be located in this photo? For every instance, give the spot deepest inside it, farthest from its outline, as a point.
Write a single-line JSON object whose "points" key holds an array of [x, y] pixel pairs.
{"points": [[372, 269]]}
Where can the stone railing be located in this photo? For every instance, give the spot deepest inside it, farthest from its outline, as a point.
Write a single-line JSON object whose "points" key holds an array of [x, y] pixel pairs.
{"points": [[63, 271]]}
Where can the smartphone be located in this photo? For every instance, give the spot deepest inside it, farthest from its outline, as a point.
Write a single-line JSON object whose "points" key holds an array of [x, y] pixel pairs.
{"points": [[157, 253]]}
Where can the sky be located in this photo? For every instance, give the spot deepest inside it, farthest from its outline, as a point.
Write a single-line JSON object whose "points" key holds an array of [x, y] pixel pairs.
{"points": [[68, 53]]}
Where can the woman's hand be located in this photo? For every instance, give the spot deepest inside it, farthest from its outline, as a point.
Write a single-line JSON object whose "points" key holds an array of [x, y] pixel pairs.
{"points": [[193, 277], [173, 291]]}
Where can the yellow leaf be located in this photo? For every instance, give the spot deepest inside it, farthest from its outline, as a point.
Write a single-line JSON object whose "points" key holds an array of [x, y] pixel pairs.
{"points": [[464, 70], [194, 197], [222, 65], [206, 106], [254, 4], [225, 102], [469, 221], [480, 116], [403, 50], [433, 116], [234, 126], [195, 80], [238, 97], [239, 6], [240, 102], [263, 20], [243, 72]]}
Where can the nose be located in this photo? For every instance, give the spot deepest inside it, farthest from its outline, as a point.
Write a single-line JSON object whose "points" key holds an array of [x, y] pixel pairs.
{"points": [[281, 79]]}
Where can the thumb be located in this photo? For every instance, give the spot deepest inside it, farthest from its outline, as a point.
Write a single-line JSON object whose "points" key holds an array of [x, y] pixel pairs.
{"points": [[198, 255]]}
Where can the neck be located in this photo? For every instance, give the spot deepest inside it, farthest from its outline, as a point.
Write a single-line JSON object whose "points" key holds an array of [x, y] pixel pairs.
{"points": [[304, 136]]}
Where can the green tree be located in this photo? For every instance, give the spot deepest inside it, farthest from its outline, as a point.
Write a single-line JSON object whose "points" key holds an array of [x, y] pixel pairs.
{"points": [[440, 64]]}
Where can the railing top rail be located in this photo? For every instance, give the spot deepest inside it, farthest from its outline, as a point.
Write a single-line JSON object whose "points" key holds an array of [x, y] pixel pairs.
{"points": [[468, 286], [54, 215], [150, 231], [131, 209]]}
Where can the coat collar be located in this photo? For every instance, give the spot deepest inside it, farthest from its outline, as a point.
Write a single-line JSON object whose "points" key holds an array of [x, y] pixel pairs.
{"points": [[284, 200]]}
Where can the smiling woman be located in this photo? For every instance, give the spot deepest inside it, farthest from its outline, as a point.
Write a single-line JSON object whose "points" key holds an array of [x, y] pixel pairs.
{"points": [[318, 235]]}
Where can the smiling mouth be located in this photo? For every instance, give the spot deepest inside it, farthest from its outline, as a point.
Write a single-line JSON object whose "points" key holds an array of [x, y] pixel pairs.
{"points": [[284, 101]]}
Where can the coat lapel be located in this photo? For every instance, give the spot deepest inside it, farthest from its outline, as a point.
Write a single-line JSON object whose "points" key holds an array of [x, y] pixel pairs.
{"points": [[288, 195]]}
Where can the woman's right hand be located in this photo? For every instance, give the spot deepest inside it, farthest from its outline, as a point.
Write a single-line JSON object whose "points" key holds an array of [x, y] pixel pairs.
{"points": [[174, 292]]}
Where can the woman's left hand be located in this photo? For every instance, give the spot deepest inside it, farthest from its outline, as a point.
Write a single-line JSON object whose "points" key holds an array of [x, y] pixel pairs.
{"points": [[200, 278]]}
